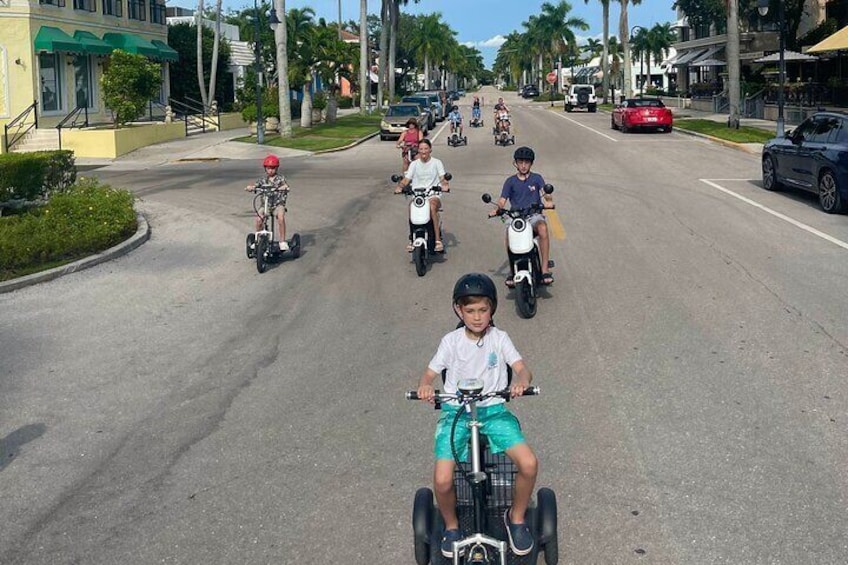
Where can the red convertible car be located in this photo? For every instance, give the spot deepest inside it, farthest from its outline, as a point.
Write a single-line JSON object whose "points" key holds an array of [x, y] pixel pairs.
{"points": [[641, 113]]}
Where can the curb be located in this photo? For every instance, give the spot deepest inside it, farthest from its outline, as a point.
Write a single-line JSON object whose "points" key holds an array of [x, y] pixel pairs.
{"points": [[141, 235], [348, 146], [731, 144]]}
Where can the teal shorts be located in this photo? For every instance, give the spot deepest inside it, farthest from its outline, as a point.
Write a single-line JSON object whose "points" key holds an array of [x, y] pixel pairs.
{"points": [[500, 426]]}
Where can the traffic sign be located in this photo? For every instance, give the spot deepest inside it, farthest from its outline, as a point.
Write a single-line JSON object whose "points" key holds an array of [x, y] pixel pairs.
{"points": [[551, 77]]}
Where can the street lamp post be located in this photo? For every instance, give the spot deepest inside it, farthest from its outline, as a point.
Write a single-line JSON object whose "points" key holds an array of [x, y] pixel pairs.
{"points": [[763, 8], [641, 57], [257, 47]]}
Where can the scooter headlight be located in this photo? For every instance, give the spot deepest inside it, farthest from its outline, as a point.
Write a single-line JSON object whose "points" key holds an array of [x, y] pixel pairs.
{"points": [[418, 201], [518, 224]]}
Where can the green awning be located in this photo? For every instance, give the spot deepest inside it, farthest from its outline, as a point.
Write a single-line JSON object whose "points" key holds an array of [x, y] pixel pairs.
{"points": [[53, 40], [92, 43], [132, 43], [166, 52]]}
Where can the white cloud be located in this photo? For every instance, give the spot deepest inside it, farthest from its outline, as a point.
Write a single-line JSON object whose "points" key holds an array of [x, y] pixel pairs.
{"points": [[495, 41], [469, 43]]}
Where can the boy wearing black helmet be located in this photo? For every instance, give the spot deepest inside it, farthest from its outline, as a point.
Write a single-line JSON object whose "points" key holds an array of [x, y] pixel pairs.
{"points": [[480, 350], [276, 182], [523, 190]]}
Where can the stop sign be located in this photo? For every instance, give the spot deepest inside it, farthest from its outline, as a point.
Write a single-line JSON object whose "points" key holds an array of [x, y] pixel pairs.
{"points": [[551, 77]]}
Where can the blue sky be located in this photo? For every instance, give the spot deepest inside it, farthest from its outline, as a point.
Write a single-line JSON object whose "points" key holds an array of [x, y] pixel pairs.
{"points": [[482, 22]]}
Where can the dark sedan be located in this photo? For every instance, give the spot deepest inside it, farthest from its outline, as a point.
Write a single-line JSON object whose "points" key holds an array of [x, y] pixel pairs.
{"points": [[812, 157]]}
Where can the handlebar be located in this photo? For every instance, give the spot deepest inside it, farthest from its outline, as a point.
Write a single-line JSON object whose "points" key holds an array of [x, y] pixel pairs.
{"points": [[462, 397]]}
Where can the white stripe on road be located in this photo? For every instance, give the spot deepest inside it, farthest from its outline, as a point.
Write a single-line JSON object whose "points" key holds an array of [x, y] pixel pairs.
{"points": [[776, 214], [555, 113], [438, 133]]}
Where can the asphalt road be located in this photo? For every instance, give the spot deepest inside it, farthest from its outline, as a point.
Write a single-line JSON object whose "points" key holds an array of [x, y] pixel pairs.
{"points": [[175, 406]]}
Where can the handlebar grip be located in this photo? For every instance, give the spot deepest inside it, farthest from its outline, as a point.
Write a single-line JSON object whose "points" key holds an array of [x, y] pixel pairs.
{"points": [[412, 395], [532, 391]]}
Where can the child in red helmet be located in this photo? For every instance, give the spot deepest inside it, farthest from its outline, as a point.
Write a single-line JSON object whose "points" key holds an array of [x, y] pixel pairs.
{"points": [[275, 182]]}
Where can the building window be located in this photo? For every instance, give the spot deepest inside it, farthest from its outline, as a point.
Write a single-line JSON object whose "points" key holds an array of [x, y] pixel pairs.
{"points": [[113, 8], [136, 9], [87, 5], [83, 82], [50, 73], [59, 3], [157, 13]]}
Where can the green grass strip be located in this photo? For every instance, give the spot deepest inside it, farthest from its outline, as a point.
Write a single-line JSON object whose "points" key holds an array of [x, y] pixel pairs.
{"points": [[744, 134], [325, 136]]}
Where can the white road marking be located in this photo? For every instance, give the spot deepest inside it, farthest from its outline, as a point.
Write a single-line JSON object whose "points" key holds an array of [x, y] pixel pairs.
{"points": [[441, 129], [584, 126], [775, 213]]}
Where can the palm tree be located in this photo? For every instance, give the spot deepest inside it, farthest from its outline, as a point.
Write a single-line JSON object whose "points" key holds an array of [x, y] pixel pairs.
{"points": [[624, 32], [283, 92], [364, 70], [433, 36], [616, 53], [639, 47], [593, 48], [605, 53], [559, 27]]}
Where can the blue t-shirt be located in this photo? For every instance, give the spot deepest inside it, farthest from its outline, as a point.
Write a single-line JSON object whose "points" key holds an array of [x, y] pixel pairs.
{"points": [[523, 193]]}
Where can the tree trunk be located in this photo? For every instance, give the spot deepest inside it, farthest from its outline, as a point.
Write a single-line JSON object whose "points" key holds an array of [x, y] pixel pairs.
{"points": [[624, 34], [332, 105], [394, 13], [213, 71], [306, 105], [733, 62], [426, 71], [383, 69], [201, 82], [605, 67], [280, 37], [364, 67]]}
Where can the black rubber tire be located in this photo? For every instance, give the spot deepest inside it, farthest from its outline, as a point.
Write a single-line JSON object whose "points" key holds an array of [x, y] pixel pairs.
{"points": [[295, 245], [612, 123], [624, 128], [547, 512], [419, 260], [261, 254], [422, 522], [568, 108], [829, 197], [770, 181], [525, 299], [250, 245], [593, 109]]}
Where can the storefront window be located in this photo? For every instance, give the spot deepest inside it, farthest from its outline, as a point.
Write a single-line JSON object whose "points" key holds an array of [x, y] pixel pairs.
{"points": [[50, 74], [83, 82]]}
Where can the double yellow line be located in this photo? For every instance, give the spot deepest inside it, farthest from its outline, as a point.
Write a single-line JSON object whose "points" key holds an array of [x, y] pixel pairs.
{"points": [[555, 225]]}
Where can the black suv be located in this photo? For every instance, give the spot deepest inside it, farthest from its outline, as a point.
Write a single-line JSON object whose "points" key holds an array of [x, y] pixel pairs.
{"points": [[812, 157]]}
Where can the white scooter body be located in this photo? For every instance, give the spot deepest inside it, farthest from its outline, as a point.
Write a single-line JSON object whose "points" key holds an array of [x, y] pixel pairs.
{"points": [[419, 215], [521, 241]]}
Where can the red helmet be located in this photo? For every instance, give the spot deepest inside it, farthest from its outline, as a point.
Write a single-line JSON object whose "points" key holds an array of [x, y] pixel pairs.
{"points": [[271, 161]]}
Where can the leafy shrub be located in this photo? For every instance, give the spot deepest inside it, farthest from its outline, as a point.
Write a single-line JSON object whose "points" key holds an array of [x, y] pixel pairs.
{"points": [[35, 176], [129, 82], [87, 218], [346, 102], [319, 100]]}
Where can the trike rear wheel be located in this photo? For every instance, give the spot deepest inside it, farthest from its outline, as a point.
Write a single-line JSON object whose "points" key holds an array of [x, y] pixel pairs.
{"points": [[262, 254], [547, 512], [422, 521]]}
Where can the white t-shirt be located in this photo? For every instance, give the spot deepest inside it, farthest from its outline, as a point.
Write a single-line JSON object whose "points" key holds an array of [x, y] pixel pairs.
{"points": [[425, 175], [465, 359]]}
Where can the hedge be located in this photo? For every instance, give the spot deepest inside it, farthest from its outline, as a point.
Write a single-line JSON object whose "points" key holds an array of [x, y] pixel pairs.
{"points": [[34, 177]]}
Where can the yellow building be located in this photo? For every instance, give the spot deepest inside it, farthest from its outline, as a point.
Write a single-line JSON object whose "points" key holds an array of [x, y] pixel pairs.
{"points": [[52, 54]]}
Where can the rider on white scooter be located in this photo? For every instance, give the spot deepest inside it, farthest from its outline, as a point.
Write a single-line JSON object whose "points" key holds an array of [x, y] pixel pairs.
{"points": [[455, 118], [426, 172], [523, 190]]}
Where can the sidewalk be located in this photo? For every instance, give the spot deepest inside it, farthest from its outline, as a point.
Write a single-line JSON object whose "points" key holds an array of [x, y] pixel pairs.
{"points": [[753, 148]]}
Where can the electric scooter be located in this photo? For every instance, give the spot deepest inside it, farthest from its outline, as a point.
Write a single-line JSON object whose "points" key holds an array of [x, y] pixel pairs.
{"points": [[263, 245], [503, 136], [423, 231], [484, 491], [524, 257], [476, 118]]}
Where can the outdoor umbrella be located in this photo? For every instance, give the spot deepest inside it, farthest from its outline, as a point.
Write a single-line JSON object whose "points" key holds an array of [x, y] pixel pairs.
{"points": [[787, 56]]}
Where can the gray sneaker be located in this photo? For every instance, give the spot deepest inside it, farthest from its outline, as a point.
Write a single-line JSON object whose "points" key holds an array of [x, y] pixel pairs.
{"points": [[520, 538], [448, 538]]}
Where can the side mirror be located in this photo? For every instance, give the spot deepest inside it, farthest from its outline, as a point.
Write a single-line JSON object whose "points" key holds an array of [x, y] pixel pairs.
{"points": [[448, 176], [548, 188], [396, 178], [487, 198]]}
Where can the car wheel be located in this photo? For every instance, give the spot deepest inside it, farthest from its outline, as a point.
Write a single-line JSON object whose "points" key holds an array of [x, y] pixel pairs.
{"points": [[592, 109], [770, 181], [612, 123], [829, 197], [624, 128], [383, 137]]}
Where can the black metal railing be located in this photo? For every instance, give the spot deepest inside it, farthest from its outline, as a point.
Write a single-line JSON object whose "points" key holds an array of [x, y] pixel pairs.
{"points": [[71, 120], [195, 115], [20, 125]]}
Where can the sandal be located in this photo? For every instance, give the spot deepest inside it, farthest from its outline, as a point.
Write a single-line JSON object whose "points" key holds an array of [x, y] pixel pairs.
{"points": [[547, 279], [509, 282], [409, 247], [439, 247]]}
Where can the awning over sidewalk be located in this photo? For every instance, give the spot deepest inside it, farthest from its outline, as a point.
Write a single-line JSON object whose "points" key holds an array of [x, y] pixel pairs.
{"points": [[92, 43], [836, 42], [688, 56], [708, 56], [53, 40], [166, 52], [132, 43]]}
